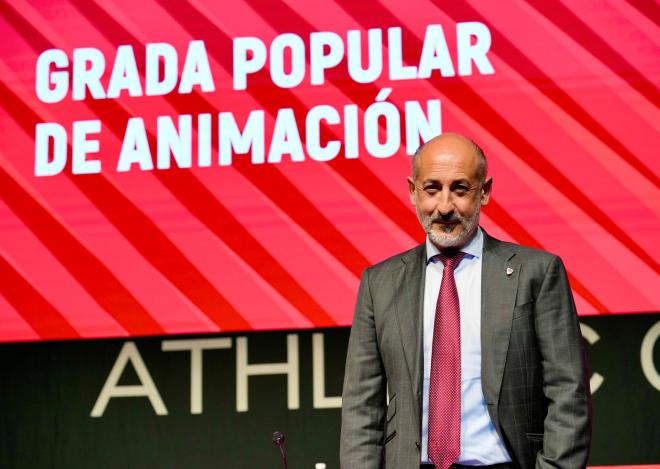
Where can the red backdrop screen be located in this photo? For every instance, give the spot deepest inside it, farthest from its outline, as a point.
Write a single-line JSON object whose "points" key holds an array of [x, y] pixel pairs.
{"points": [[175, 167]]}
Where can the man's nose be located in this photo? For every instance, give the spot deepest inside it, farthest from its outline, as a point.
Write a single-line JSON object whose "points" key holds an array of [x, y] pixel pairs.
{"points": [[444, 205]]}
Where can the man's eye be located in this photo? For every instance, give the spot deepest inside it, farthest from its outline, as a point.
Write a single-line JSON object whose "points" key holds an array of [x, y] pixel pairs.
{"points": [[461, 189], [431, 190]]}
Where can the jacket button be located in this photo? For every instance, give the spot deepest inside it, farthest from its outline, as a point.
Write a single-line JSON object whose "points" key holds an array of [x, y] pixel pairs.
{"points": [[418, 445]]}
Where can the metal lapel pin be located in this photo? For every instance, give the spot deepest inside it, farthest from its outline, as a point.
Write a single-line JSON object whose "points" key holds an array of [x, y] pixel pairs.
{"points": [[509, 270]]}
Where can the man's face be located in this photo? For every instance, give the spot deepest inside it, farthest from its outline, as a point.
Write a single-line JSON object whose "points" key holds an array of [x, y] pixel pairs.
{"points": [[448, 192]]}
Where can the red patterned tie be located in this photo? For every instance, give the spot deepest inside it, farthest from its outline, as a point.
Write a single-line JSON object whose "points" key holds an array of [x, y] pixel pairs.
{"points": [[444, 435]]}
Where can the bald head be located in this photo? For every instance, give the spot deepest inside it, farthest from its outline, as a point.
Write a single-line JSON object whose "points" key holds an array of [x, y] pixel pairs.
{"points": [[451, 143]]}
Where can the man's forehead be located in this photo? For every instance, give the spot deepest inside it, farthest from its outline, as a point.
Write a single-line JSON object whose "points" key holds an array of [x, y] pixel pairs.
{"points": [[455, 161]]}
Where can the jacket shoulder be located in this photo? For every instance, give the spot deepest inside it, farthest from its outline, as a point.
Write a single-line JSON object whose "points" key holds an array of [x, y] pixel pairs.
{"points": [[398, 260], [523, 253]]}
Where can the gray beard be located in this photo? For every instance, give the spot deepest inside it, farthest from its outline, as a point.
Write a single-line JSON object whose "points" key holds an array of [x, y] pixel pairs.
{"points": [[441, 236]]}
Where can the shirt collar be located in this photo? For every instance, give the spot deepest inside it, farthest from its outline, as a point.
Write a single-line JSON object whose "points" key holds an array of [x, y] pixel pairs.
{"points": [[472, 249]]}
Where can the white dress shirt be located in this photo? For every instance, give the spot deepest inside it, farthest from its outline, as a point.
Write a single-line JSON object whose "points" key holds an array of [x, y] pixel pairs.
{"points": [[480, 443]]}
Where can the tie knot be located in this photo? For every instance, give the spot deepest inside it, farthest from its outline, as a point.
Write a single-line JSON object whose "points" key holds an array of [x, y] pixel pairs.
{"points": [[450, 258]]}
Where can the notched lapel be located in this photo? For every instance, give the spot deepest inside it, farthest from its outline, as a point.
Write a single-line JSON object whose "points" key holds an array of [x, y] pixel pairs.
{"points": [[499, 285], [408, 280]]}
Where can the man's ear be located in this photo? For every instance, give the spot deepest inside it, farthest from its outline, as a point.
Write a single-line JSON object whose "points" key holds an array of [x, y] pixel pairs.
{"points": [[486, 189], [411, 189]]}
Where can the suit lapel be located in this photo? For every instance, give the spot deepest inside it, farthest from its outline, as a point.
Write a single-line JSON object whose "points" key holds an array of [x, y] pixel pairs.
{"points": [[409, 294], [499, 285], [498, 296]]}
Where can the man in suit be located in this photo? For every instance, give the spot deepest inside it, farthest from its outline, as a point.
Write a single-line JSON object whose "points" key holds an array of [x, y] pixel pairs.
{"points": [[475, 341]]}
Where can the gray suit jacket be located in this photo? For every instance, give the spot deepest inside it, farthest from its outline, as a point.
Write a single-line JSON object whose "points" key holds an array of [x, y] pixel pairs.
{"points": [[533, 368]]}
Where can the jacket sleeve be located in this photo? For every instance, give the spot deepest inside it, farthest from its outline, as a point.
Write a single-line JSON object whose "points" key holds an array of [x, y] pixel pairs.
{"points": [[567, 425], [363, 396]]}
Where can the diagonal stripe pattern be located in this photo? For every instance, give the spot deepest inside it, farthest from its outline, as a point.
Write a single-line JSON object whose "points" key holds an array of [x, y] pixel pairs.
{"points": [[287, 241]]}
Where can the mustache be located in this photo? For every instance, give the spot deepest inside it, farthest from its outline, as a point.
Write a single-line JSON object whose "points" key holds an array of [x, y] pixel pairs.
{"points": [[449, 218]]}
